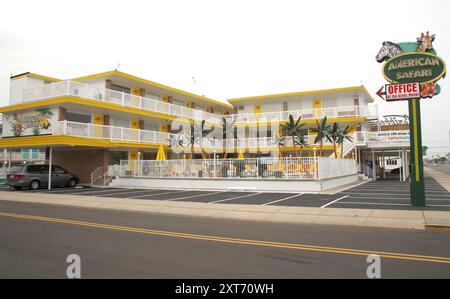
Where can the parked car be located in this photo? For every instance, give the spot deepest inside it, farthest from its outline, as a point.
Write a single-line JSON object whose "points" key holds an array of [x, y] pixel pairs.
{"points": [[36, 176]]}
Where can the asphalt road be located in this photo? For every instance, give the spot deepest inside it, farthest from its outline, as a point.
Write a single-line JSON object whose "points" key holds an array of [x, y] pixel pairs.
{"points": [[371, 195], [35, 240]]}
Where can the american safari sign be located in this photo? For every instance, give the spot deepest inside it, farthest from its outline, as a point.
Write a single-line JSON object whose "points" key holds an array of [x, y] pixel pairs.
{"points": [[413, 69]]}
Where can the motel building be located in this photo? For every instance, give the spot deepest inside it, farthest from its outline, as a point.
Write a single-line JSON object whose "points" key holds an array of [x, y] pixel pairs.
{"points": [[116, 129]]}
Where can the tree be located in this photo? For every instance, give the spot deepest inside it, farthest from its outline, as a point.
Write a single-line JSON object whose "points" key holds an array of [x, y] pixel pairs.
{"points": [[424, 150], [198, 132], [279, 141], [321, 130], [301, 142], [175, 140], [293, 130], [227, 127], [344, 135], [333, 134]]}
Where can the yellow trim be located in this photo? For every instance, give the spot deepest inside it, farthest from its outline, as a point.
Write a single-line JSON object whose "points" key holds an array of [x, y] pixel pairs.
{"points": [[36, 76], [409, 53], [416, 143], [52, 140], [314, 92], [144, 81]]}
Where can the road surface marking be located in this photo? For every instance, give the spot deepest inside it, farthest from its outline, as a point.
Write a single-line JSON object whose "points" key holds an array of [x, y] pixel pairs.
{"points": [[385, 204], [152, 194], [104, 190], [192, 196], [336, 200], [351, 187], [294, 246], [396, 198], [237, 197], [46, 191], [125, 192], [283, 199]]}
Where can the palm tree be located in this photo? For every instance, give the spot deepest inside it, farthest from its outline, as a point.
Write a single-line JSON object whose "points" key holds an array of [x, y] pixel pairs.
{"points": [[333, 134], [175, 140], [279, 141], [301, 142], [198, 132], [322, 131], [227, 127], [343, 135], [293, 129]]}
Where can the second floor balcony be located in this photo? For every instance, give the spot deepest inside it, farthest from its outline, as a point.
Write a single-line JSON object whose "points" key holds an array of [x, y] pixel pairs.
{"points": [[90, 92]]}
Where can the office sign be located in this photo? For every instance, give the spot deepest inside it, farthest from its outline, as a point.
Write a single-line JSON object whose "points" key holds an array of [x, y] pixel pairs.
{"points": [[399, 92]]}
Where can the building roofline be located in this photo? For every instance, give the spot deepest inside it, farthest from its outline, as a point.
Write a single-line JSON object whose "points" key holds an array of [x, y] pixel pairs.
{"points": [[313, 92], [29, 74], [145, 81]]}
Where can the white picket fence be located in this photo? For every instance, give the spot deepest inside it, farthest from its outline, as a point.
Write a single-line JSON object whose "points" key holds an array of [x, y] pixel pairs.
{"points": [[288, 168]]}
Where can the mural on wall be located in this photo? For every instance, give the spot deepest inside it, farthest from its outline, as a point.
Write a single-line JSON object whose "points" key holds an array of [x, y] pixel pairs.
{"points": [[36, 123]]}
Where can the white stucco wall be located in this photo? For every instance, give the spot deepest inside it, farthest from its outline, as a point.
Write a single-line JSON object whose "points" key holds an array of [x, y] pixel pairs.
{"points": [[17, 85], [236, 185]]}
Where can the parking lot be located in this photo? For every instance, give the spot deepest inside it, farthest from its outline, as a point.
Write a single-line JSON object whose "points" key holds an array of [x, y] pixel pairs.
{"points": [[371, 195]]}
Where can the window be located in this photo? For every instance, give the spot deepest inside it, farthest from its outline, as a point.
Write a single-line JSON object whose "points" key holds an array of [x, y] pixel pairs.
{"points": [[59, 170], [153, 96], [16, 169], [80, 118], [120, 88], [34, 169]]}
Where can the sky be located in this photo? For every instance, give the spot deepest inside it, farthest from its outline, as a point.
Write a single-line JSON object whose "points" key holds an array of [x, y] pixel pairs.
{"points": [[232, 48]]}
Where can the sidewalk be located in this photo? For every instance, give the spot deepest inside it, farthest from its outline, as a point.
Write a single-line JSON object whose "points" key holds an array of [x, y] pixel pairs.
{"points": [[300, 215], [441, 177]]}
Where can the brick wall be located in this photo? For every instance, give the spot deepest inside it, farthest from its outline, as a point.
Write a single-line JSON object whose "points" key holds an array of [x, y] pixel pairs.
{"points": [[81, 162]]}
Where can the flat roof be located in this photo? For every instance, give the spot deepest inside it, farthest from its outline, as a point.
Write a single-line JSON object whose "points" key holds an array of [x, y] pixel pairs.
{"points": [[300, 93], [34, 75], [148, 82], [128, 76]]}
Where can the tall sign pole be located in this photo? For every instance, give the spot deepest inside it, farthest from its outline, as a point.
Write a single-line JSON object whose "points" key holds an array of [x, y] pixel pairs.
{"points": [[417, 184], [413, 70]]}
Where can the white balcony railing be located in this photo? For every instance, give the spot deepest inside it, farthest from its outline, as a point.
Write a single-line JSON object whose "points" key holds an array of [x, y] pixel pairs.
{"points": [[86, 91], [121, 134], [114, 134], [370, 111]]}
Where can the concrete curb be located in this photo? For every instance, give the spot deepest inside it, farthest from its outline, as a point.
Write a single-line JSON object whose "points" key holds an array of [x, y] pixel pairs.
{"points": [[276, 214], [437, 227]]}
